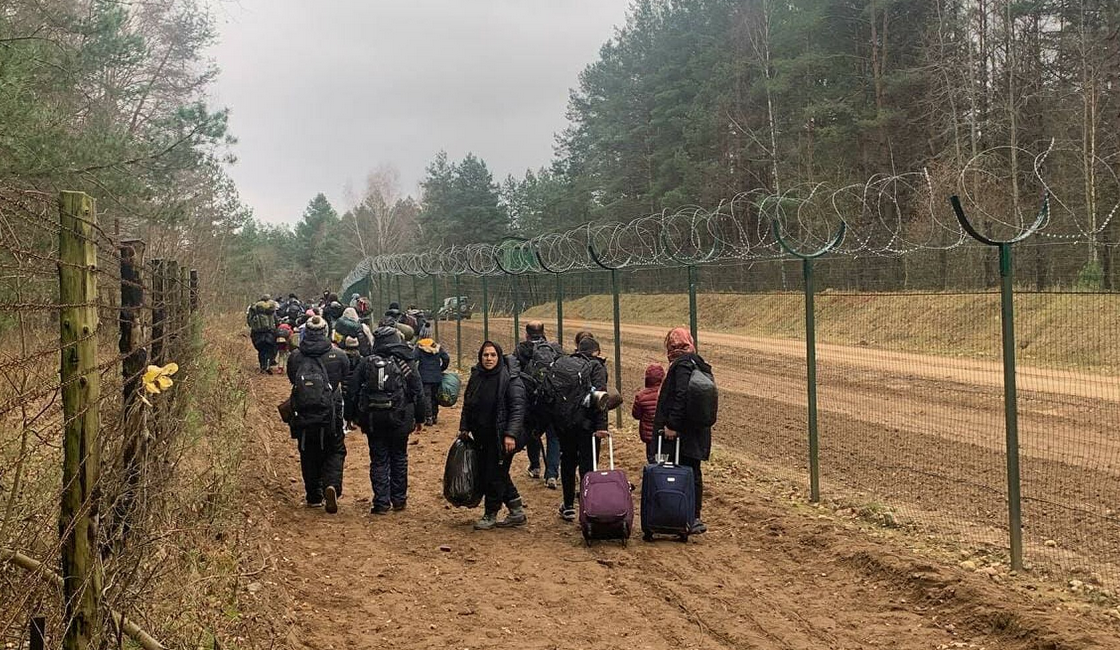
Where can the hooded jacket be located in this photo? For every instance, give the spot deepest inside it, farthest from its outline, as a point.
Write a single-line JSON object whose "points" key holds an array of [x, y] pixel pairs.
{"points": [[645, 401], [315, 345], [415, 402], [696, 442], [433, 361], [512, 402]]}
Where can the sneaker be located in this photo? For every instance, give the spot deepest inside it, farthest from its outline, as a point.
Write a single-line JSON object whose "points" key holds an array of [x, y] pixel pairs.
{"points": [[399, 506], [567, 513], [698, 528], [488, 521], [330, 495], [379, 510], [315, 504], [550, 483], [534, 472], [514, 519]]}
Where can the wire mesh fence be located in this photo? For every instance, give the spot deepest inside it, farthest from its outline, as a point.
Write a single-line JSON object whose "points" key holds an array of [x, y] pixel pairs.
{"points": [[910, 382], [100, 504]]}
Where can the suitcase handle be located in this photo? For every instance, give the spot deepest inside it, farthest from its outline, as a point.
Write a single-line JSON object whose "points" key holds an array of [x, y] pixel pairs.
{"points": [[660, 437], [595, 455]]}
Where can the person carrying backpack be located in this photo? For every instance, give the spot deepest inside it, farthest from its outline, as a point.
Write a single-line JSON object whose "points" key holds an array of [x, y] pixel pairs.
{"points": [[434, 360], [318, 372], [536, 354], [493, 416], [679, 414], [570, 383], [645, 408], [262, 322], [385, 398]]}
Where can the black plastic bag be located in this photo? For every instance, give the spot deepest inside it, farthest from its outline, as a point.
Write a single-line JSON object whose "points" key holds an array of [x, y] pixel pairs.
{"points": [[462, 475]]}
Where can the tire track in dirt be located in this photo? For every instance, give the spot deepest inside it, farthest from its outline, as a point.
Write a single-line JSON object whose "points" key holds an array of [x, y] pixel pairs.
{"points": [[764, 577]]}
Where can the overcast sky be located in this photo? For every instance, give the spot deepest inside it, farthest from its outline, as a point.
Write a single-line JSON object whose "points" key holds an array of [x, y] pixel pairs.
{"points": [[324, 91]]}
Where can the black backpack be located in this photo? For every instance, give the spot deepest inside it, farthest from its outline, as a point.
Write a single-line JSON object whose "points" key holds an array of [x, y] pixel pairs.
{"points": [[383, 397], [701, 399], [312, 394], [545, 353], [566, 385]]}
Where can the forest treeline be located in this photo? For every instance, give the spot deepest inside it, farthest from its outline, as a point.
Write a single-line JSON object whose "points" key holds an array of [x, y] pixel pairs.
{"points": [[693, 102]]}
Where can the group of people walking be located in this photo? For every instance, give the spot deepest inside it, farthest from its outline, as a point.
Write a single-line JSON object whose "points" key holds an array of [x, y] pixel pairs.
{"points": [[384, 381]]}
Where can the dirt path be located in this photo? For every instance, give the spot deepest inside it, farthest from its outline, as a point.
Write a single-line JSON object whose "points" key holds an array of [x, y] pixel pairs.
{"points": [[764, 577]]}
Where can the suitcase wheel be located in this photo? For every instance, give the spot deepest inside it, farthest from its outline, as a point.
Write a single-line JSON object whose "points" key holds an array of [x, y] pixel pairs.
{"points": [[683, 538]]}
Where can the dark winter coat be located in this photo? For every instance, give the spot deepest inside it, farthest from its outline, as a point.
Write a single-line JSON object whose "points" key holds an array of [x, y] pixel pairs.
{"points": [[645, 402], [512, 403], [416, 402], [433, 361], [314, 345], [594, 420], [696, 442]]}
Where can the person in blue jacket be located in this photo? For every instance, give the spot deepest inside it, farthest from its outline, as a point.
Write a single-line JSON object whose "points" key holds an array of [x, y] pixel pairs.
{"points": [[433, 361]]}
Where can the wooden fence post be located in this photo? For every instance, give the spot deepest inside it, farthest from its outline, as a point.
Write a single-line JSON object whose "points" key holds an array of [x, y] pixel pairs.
{"points": [[37, 633], [171, 302], [194, 290], [135, 361], [81, 394], [159, 313], [185, 311]]}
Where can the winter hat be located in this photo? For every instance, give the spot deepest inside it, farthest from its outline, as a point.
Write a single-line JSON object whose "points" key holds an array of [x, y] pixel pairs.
{"points": [[428, 345], [383, 336], [583, 334], [309, 313], [394, 306], [655, 374], [316, 323], [350, 343], [350, 312]]}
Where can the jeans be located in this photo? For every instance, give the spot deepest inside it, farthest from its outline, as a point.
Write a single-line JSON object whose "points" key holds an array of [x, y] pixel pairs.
{"points": [[430, 391], [322, 455], [499, 486], [576, 449], [550, 450], [388, 469]]}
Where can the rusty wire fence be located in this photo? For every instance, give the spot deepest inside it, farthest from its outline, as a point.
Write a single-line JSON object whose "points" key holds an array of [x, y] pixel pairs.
{"points": [[104, 507]]}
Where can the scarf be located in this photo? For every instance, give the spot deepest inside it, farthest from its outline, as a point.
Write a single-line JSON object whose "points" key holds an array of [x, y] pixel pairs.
{"points": [[678, 342]]}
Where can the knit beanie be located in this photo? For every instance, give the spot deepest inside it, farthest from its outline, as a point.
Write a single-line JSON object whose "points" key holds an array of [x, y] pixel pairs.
{"points": [[316, 323]]}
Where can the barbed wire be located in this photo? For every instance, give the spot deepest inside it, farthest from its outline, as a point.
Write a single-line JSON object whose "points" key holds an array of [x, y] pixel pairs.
{"points": [[887, 215]]}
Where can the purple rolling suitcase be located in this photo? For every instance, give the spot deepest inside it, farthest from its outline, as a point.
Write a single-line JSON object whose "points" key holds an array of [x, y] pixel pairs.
{"points": [[606, 509]]}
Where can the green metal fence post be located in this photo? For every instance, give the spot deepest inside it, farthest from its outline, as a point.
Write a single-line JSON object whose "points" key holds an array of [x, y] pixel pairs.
{"points": [[399, 300], [811, 350], [458, 325], [415, 294], [516, 311], [1010, 396], [435, 306], [1010, 401], [692, 305], [617, 343], [811, 380], [560, 307], [485, 309]]}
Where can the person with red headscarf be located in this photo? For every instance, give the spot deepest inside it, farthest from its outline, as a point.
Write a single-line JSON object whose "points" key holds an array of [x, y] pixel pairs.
{"points": [[671, 419]]}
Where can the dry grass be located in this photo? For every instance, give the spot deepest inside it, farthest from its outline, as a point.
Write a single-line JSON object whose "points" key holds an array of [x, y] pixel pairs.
{"points": [[1067, 330]]}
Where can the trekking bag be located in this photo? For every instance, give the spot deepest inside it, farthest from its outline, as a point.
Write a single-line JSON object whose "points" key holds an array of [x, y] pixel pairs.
{"points": [[545, 353], [668, 497], [448, 393], [382, 397], [261, 319], [348, 326], [606, 508], [566, 384], [701, 399], [462, 474], [312, 400]]}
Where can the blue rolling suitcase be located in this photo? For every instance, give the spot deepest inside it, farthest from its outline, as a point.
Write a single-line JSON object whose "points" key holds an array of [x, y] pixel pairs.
{"points": [[668, 497]]}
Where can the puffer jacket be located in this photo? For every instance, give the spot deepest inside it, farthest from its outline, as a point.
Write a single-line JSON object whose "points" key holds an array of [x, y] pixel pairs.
{"points": [[433, 361], [696, 442], [645, 402], [512, 402]]}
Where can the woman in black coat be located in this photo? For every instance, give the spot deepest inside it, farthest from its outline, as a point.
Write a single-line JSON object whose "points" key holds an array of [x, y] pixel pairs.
{"points": [[671, 418], [494, 416]]}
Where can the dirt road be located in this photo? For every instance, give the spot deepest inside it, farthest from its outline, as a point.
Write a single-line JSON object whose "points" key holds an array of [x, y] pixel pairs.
{"points": [[921, 435], [767, 575]]}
